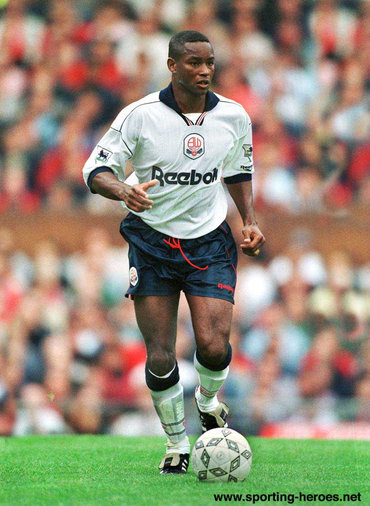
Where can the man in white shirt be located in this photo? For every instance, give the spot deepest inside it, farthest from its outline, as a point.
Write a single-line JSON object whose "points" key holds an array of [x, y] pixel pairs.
{"points": [[180, 142]]}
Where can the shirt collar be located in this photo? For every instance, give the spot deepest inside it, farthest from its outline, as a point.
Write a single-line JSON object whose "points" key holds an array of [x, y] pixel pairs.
{"points": [[167, 97]]}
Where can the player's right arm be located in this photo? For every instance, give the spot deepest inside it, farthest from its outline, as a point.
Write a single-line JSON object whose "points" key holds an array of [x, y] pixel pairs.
{"points": [[135, 196], [104, 170]]}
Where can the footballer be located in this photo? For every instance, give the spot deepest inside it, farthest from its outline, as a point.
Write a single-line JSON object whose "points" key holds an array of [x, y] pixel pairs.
{"points": [[181, 142]]}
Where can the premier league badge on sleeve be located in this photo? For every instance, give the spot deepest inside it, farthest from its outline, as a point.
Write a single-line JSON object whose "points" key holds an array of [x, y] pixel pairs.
{"points": [[194, 146], [248, 151], [103, 154]]}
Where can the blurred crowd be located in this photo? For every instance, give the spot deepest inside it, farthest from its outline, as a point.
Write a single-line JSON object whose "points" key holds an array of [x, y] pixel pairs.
{"points": [[300, 68], [71, 355], [72, 358]]}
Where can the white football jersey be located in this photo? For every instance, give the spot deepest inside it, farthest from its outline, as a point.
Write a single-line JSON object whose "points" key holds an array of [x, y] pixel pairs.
{"points": [[187, 156]]}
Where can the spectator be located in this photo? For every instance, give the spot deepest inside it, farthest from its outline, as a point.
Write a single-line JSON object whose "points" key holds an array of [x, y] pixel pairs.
{"points": [[38, 416]]}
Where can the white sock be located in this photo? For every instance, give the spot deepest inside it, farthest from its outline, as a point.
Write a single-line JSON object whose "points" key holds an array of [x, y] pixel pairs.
{"points": [[169, 405], [210, 383]]}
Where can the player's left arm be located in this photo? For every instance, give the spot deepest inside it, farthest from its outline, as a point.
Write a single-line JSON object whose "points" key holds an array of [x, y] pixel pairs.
{"points": [[242, 195]]}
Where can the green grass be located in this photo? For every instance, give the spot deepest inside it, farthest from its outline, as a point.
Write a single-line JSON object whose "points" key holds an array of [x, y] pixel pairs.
{"points": [[104, 470]]}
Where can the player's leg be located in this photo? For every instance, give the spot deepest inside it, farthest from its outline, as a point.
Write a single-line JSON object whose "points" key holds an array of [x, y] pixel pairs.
{"points": [[157, 319], [211, 318]]}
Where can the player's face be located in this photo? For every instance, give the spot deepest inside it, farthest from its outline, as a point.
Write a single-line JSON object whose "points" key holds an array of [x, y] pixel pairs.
{"points": [[194, 70]]}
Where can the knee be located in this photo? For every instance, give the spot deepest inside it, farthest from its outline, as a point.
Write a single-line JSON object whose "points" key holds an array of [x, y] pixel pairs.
{"points": [[161, 362], [214, 353]]}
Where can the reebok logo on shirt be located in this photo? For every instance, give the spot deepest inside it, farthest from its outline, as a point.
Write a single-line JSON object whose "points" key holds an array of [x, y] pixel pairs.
{"points": [[184, 178]]}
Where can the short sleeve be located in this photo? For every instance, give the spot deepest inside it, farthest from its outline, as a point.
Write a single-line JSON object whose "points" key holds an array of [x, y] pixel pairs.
{"points": [[238, 165], [114, 149]]}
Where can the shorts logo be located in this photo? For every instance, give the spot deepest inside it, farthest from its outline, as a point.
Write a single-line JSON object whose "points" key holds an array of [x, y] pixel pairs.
{"points": [[225, 287], [134, 278], [194, 146], [103, 154]]}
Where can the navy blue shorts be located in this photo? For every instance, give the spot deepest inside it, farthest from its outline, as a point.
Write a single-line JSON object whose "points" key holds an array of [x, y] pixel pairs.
{"points": [[163, 265]]}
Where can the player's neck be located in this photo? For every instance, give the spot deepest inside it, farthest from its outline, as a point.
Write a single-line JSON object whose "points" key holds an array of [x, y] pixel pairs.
{"points": [[188, 102]]}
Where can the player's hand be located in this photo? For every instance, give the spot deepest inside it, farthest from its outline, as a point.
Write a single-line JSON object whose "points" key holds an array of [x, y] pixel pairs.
{"points": [[253, 240], [136, 197]]}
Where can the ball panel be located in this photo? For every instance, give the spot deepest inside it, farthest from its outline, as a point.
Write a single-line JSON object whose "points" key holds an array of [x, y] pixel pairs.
{"points": [[214, 441], [232, 445], [202, 475], [234, 464], [205, 457], [199, 444], [220, 456], [242, 471]]}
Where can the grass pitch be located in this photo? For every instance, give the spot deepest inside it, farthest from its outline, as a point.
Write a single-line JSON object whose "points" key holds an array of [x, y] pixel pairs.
{"points": [[104, 470]]}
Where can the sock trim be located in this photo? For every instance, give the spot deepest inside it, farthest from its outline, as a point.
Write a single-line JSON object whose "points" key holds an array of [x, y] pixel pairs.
{"points": [[170, 434], [219, 367], [174, 423], [166, 375], [159, 383]]}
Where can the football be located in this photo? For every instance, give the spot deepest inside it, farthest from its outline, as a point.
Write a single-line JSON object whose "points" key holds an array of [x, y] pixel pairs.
{"points": [[221, 455]]}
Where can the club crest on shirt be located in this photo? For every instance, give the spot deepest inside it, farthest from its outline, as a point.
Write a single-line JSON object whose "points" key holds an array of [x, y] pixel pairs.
{"points": [[134, 278], [103, 154], [194, 146]]}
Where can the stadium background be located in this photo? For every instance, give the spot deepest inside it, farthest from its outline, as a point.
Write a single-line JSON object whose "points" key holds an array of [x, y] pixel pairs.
{"points": [[71, 357]]}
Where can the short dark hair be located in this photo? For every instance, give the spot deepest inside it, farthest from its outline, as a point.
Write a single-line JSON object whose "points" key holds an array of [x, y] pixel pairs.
{"points": [[176, 47]]}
